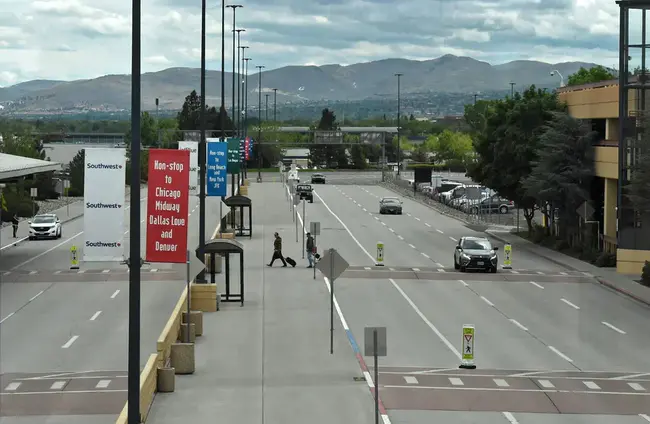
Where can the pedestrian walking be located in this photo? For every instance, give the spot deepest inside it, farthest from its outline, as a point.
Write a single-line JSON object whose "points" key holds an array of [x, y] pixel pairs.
{"points": [[310, 245], [14, 224], [277, 250]]}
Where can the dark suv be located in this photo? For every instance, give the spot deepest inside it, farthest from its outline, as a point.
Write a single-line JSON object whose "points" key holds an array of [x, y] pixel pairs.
{"points": [[305, 192], [318, 179], [475, 253]]}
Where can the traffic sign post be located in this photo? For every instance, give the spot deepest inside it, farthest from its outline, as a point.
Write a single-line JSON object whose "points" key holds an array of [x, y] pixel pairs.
{"points": [[507, 256], [467, 354], [74, 258], [314, 229], [332, 265], [375, 345], [304, 218], [380, 254]]}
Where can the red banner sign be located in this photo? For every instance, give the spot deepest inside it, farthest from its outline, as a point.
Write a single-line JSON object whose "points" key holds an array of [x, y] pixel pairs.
{"points": [[167, 205], [247, 147]]}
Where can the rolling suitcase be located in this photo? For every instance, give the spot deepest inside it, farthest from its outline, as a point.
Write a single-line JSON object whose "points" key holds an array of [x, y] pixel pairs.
{"points": [[290, 261]]}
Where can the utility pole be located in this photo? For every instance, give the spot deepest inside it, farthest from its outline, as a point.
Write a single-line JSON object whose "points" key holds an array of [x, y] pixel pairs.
{"points": [[259, 126], [246, 60], [475, 96], [275, 104], [399, 112], [267, 107], [512, 89], [234, 25], [237, 118], [200, 278]]}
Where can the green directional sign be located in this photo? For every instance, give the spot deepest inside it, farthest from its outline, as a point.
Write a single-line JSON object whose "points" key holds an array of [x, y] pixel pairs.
{"points": [[233, 155]]}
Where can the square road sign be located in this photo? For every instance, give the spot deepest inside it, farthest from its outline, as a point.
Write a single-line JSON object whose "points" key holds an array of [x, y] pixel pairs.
{"points": [[332, 264], [369, 342]]}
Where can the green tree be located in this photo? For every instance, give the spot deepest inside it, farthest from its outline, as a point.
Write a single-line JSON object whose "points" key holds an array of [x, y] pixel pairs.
{"points": [[563, 172], [507, 149], [327, 154], [419, 154], [189, 116], [76, 167], [148, 131], [591, 75]]}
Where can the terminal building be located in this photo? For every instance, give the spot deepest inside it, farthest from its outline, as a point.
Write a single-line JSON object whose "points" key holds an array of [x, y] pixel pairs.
{"points": [[626, 234]]}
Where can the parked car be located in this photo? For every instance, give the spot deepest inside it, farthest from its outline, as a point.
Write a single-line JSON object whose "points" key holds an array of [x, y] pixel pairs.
{"points": [[390, 205], [494, 204]]}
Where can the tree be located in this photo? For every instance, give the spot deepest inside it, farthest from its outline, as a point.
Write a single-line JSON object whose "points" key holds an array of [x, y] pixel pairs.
{"points": [[508, 147], [214, 121], [148, 132], [563, 172], [76, 168], [591, 75], [189, 116], [420, 154], [328, 154]]}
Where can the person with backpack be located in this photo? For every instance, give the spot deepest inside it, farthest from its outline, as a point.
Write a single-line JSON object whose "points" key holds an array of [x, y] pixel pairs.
{"points": [[310, 245]]}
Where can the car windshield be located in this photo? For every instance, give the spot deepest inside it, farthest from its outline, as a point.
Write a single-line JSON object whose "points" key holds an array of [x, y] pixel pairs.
{"points": [[477, 245], [304, 187], [43, 220], [391, 201]]}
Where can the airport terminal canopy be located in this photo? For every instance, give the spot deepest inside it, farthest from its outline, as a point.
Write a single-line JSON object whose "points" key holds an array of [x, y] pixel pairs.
{"points": [[17, 166]]}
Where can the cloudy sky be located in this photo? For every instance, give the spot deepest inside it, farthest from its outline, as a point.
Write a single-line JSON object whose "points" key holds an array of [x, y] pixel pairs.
{"points": [[73, 39]]}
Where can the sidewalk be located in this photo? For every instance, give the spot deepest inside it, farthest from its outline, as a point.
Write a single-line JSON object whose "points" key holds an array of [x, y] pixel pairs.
{"points": [[268, 361], [608, 277]]}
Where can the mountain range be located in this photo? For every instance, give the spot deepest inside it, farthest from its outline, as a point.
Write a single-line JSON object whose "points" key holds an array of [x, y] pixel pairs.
{"points": [[294, 84]]}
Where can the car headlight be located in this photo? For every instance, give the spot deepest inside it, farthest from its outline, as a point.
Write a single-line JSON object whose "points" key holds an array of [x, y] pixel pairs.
{"points": [[465, 256]]}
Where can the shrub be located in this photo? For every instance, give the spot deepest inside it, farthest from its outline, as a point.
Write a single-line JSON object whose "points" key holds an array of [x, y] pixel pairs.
{"points": [[75, 192], [645, 274], [561, 245], [539, 234], [606, 260]]}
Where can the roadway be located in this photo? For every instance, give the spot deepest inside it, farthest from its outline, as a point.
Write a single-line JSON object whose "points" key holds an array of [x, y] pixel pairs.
{"points": [[534, 324], [72, 325]]}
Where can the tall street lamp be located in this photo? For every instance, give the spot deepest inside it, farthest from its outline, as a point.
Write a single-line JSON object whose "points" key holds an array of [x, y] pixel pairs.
{"points": [[275, 104], [237, 112], [242, 89], [267, 107], [246, 60], [133, 384], [234, 46], [259, 130], [200, 278], [399, 112], [512, 89], [556, 72]]}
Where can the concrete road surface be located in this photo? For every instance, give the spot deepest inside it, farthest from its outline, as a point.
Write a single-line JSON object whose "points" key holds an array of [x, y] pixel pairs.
{"points": [[548, 342], [63, 333]]}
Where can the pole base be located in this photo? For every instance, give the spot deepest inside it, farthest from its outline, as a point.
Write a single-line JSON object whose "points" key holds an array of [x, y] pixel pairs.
{"points": [[467, 366], [259, 179], [379, 264], [74, 267], [506, 267]]}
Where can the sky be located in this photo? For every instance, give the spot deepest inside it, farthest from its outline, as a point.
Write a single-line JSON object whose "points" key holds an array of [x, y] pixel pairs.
{"points": [[79, 39]]}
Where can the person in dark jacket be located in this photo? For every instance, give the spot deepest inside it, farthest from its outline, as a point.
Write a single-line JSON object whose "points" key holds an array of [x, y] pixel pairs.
{"points": [[277, 250], [14, 224], [309, 246]]}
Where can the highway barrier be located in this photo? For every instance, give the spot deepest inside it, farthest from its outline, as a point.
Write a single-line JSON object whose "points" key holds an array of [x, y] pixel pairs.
{"points": [[380, 254], [467, 354]]}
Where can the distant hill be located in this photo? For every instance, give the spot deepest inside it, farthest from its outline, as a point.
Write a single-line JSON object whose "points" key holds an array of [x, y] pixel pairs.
{"points": [[295, 84]]}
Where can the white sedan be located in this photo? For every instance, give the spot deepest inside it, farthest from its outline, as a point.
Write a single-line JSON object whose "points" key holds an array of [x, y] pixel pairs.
{"points": [[45, 226]]}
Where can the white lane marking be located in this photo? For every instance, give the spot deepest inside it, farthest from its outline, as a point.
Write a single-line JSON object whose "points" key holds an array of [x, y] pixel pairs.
{"points": [[12, 387], [7, 317], [540, 272], [367, 268], [58, 385], [586, 274], [512, 271], [13, 243], [106, 271], [464, 283], [456, 381], [366, 210], [485, 299], [546, 384], [400, 237], [412, 247], [433, 328], [95, 315], [452, 239], [618, 330], [6, 273], [518, 324], [33, 272], [57, 272], [425, 255], [69, 342], [417, 219], [500, 382], [68, 392], [377, 220], [154, 270], [416, 270], [102, 384], [511, 418], [392, 269], [637, 387], [560, 354], [441, 270], [410, 379], [439, 265], [591, 385], [391, 230], [383, 223], [536, 285], [408, 214], [36, 295], [81, 271], [627, 377], [115, 294], [439, 231], [570, 304], [645, 417], [427, 224], [563, 273]]}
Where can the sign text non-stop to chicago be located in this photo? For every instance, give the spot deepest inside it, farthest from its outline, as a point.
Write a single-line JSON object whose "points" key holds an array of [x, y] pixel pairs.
{"points": [[167, 205]]}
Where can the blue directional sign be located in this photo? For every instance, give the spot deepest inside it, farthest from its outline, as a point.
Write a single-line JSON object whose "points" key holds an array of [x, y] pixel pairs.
{"points": [[216, 167], [242, 150], [250, 147]]}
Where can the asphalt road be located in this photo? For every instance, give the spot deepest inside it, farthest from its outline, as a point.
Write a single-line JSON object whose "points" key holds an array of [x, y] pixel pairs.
{"points": [[532, 324], [74, 326]]}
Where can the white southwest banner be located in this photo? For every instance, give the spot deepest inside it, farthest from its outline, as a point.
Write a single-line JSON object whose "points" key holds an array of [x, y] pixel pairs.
{"points": [[193, 147], [104, 198]]}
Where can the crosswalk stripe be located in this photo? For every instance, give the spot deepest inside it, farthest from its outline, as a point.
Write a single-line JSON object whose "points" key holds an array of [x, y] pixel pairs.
{"points": [[12, 387], [546, 384], [636, 386], [410, 380], [102, 384], [591, 385], [500, 382], [58, 385], [456, 381]]}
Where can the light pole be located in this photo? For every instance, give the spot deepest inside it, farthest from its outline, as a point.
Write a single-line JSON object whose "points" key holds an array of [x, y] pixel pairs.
{"points": [[275, 104], [554, 72], [222, 109], [133, 384], [242, 89], [246, 60], [234, 46], [399, 112], [200, 278], [267, 107], [512, 89], [239, 87], [475, 97], [259, 126]]}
